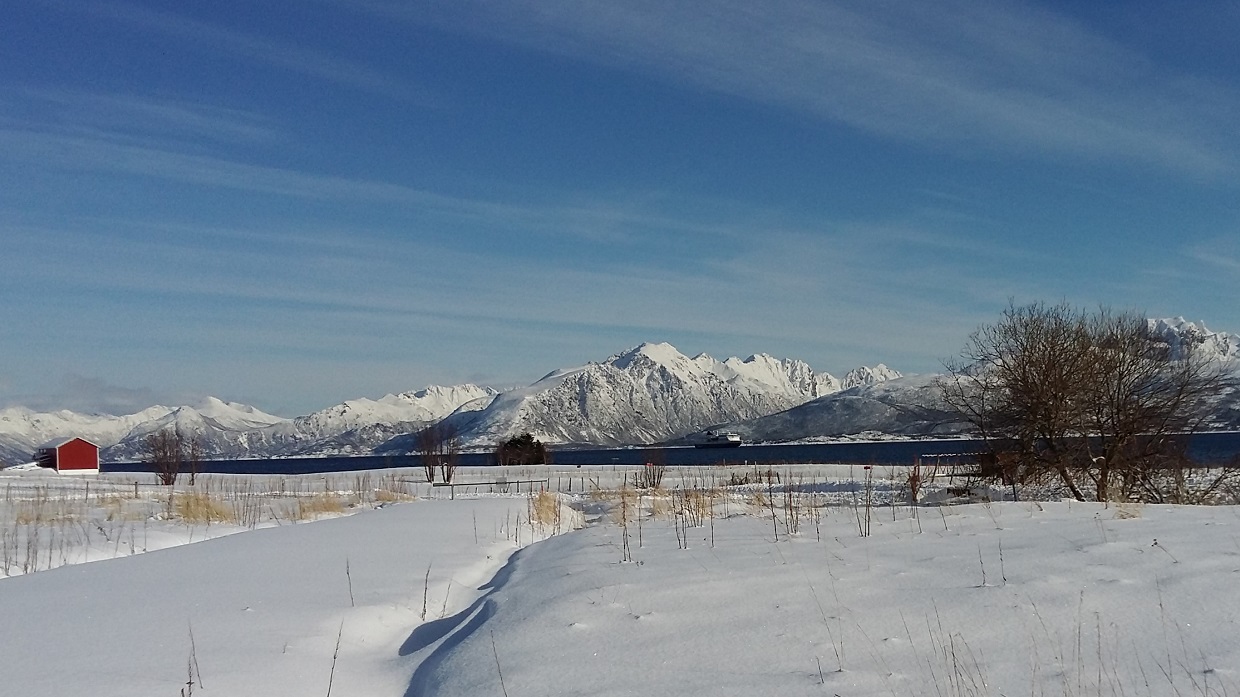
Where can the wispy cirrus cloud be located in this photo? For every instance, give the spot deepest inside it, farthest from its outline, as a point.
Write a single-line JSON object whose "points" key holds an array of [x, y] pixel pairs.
{"points": [[133, 118], [606, 220], [980, 77], [783, 283], [1222, 252], [280, 54]]}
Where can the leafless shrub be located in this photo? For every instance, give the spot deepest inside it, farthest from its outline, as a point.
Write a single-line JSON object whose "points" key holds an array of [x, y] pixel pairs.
{"points": [[693, 505], [792, 508], [863, 507], [628, 510], [651, 476], [1096, 400], [757, 502]]}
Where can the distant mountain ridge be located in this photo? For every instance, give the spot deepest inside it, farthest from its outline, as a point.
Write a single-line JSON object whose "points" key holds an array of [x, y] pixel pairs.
{"points": [[651, 393], [230, 430], [647, 394], [1178, 332], [912, 407]]}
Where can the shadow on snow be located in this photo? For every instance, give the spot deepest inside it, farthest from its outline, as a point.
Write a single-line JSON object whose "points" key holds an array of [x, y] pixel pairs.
{"points": [[449, 632]]}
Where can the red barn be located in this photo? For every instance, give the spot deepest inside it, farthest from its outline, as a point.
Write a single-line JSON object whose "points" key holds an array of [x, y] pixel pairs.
{"points": [[73, 455]]}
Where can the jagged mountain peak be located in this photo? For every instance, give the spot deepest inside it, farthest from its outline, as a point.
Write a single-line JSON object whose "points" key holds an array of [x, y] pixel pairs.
{"points": [[431, 403], [649, 393], [1179, 324], [866, 375], [760, 366], [1177, 331], [439, 393], [661, 353]]}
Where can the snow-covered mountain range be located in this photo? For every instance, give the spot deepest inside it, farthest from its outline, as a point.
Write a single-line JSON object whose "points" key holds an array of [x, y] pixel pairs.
{"points": [[228, 429], [648, 394], [1179, 332], [903, 406], [911, 406]]}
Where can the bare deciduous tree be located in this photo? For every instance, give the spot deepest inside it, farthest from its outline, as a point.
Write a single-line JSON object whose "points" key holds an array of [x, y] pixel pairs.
{"points": [[169, 453], [428, 447], [163, 452], [193, 459], [1095, 400], [451, 451], [439, 447]]}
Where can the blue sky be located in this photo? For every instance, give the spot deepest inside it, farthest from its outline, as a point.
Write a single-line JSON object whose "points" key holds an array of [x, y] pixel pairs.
{"points": [[294, 203]]}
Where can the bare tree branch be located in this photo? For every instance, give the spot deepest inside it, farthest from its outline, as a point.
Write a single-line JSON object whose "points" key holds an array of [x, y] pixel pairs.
{"points": [[1095, 400]]}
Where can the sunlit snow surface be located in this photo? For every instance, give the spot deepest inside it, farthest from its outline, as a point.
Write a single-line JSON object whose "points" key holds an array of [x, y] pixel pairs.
{"points": [[1079, 601], [1004, 598]]}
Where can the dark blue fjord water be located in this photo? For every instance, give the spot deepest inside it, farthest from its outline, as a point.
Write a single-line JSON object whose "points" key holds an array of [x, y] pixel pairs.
{"points": [[1205, 448]]}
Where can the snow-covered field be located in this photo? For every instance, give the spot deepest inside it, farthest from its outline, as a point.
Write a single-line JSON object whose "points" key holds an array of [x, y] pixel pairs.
{"points": [[712, 586]]}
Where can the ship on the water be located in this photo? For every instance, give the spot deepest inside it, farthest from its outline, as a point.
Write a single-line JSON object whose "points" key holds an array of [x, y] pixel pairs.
{"points": [[719, 440]]}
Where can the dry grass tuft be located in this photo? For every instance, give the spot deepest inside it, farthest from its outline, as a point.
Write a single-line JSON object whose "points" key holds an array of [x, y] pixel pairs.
{"points": [[389, 496], [758, 503], [195, 507], [597, 493], [43, 511], [545, 508], [661, 506], [319, 505], [698, 504], [27, 516], [624, 511], [1128, 511], [114, 507]]}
